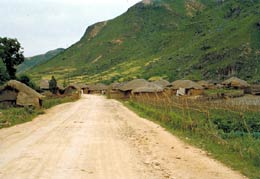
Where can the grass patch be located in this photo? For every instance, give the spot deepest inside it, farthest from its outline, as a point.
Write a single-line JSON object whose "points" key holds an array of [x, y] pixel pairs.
{"points": [[16, 115], [228, 136], [222, 91]]}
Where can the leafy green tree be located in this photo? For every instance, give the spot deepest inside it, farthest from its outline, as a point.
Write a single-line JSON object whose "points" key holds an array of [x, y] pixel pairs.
{"points": [[53, 85], [11, 55], [3, 73]]}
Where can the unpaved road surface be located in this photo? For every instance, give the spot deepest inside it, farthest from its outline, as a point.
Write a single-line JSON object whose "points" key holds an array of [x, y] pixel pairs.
{"points": [[100, 139]]}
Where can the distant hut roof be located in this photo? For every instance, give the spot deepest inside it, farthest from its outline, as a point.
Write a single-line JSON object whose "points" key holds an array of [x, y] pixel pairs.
{"points": [[70, 89], [131, 85], [162, 83], [115, 86], [83, 86], [97, 87], [75, 86], [255, 89], [235, 82], [204, 83], [148, 88], [44, 84], [187, 84]]}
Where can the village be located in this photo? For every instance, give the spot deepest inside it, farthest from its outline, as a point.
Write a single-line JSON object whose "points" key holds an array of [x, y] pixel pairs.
{"points": [[224, 114], [17, 94]]}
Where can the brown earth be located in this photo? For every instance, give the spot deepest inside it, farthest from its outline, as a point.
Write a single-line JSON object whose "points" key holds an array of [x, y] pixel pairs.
{"points": [[100, 138]]}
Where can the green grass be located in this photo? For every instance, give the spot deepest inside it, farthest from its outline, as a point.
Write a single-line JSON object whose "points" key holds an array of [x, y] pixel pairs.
{"points": [[213, 44], [16, 115], [228, 136], [222, 91]]}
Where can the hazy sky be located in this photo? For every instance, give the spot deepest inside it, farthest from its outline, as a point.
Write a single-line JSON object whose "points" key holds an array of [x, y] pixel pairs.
{"points": [[43, 25]]}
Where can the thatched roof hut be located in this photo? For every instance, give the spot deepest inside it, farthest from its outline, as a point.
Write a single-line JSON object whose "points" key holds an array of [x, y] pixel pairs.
{"points": [[148, 88], [187, 84], [235, 83], [98, 88], [204, 84], [114, 86], [44, 84], [187, 87], [17, 93], [131, 85], [114, 92], [255, 89], [72, 89], [162, 83], [84, 88]]}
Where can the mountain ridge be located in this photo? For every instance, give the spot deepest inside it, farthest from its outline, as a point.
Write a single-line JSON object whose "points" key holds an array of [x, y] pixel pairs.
{"points": [[186, 39], [31, 62]]}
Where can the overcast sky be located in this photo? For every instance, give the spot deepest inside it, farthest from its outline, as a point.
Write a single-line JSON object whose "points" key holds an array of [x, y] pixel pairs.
{"points": [[43, 25]]}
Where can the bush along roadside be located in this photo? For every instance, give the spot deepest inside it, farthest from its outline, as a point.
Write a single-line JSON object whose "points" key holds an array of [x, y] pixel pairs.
{"points": [[230, 136], [16, 115]]}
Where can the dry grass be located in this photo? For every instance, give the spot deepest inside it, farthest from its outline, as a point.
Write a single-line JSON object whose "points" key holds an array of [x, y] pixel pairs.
{"points": [[228, 129]]}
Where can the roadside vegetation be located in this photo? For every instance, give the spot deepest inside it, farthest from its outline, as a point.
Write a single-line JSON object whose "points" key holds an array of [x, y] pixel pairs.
{"points": [[10, 116], [228, 132]]}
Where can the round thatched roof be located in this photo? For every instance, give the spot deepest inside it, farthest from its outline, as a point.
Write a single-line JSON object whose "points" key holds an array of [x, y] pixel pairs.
{"points": [[235, 82], [97, 87], [161, 83], [74, 86], [115, 86], [204, 83], [187, 84], [131, 85], [148, 88], [83, 86], [20, 87]]}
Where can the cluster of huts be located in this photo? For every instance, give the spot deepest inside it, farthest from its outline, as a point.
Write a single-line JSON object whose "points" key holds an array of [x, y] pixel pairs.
{"points": [[160, 88], [17, 93]]}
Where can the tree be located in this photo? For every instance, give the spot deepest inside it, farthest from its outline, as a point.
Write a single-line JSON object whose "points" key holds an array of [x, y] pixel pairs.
{"points": [[3, 73], [53, 85], [11, 55]]}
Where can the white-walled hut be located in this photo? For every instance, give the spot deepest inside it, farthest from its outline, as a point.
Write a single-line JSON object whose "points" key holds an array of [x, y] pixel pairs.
{"points": [[187, 87], [18, 94]]}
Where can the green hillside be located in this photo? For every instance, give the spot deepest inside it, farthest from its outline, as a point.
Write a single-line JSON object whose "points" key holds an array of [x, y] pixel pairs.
{"points": [[174, 39], [32, 62]]}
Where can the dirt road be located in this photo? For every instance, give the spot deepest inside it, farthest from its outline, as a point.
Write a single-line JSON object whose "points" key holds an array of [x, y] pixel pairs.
{"points": [[100, 139]]}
